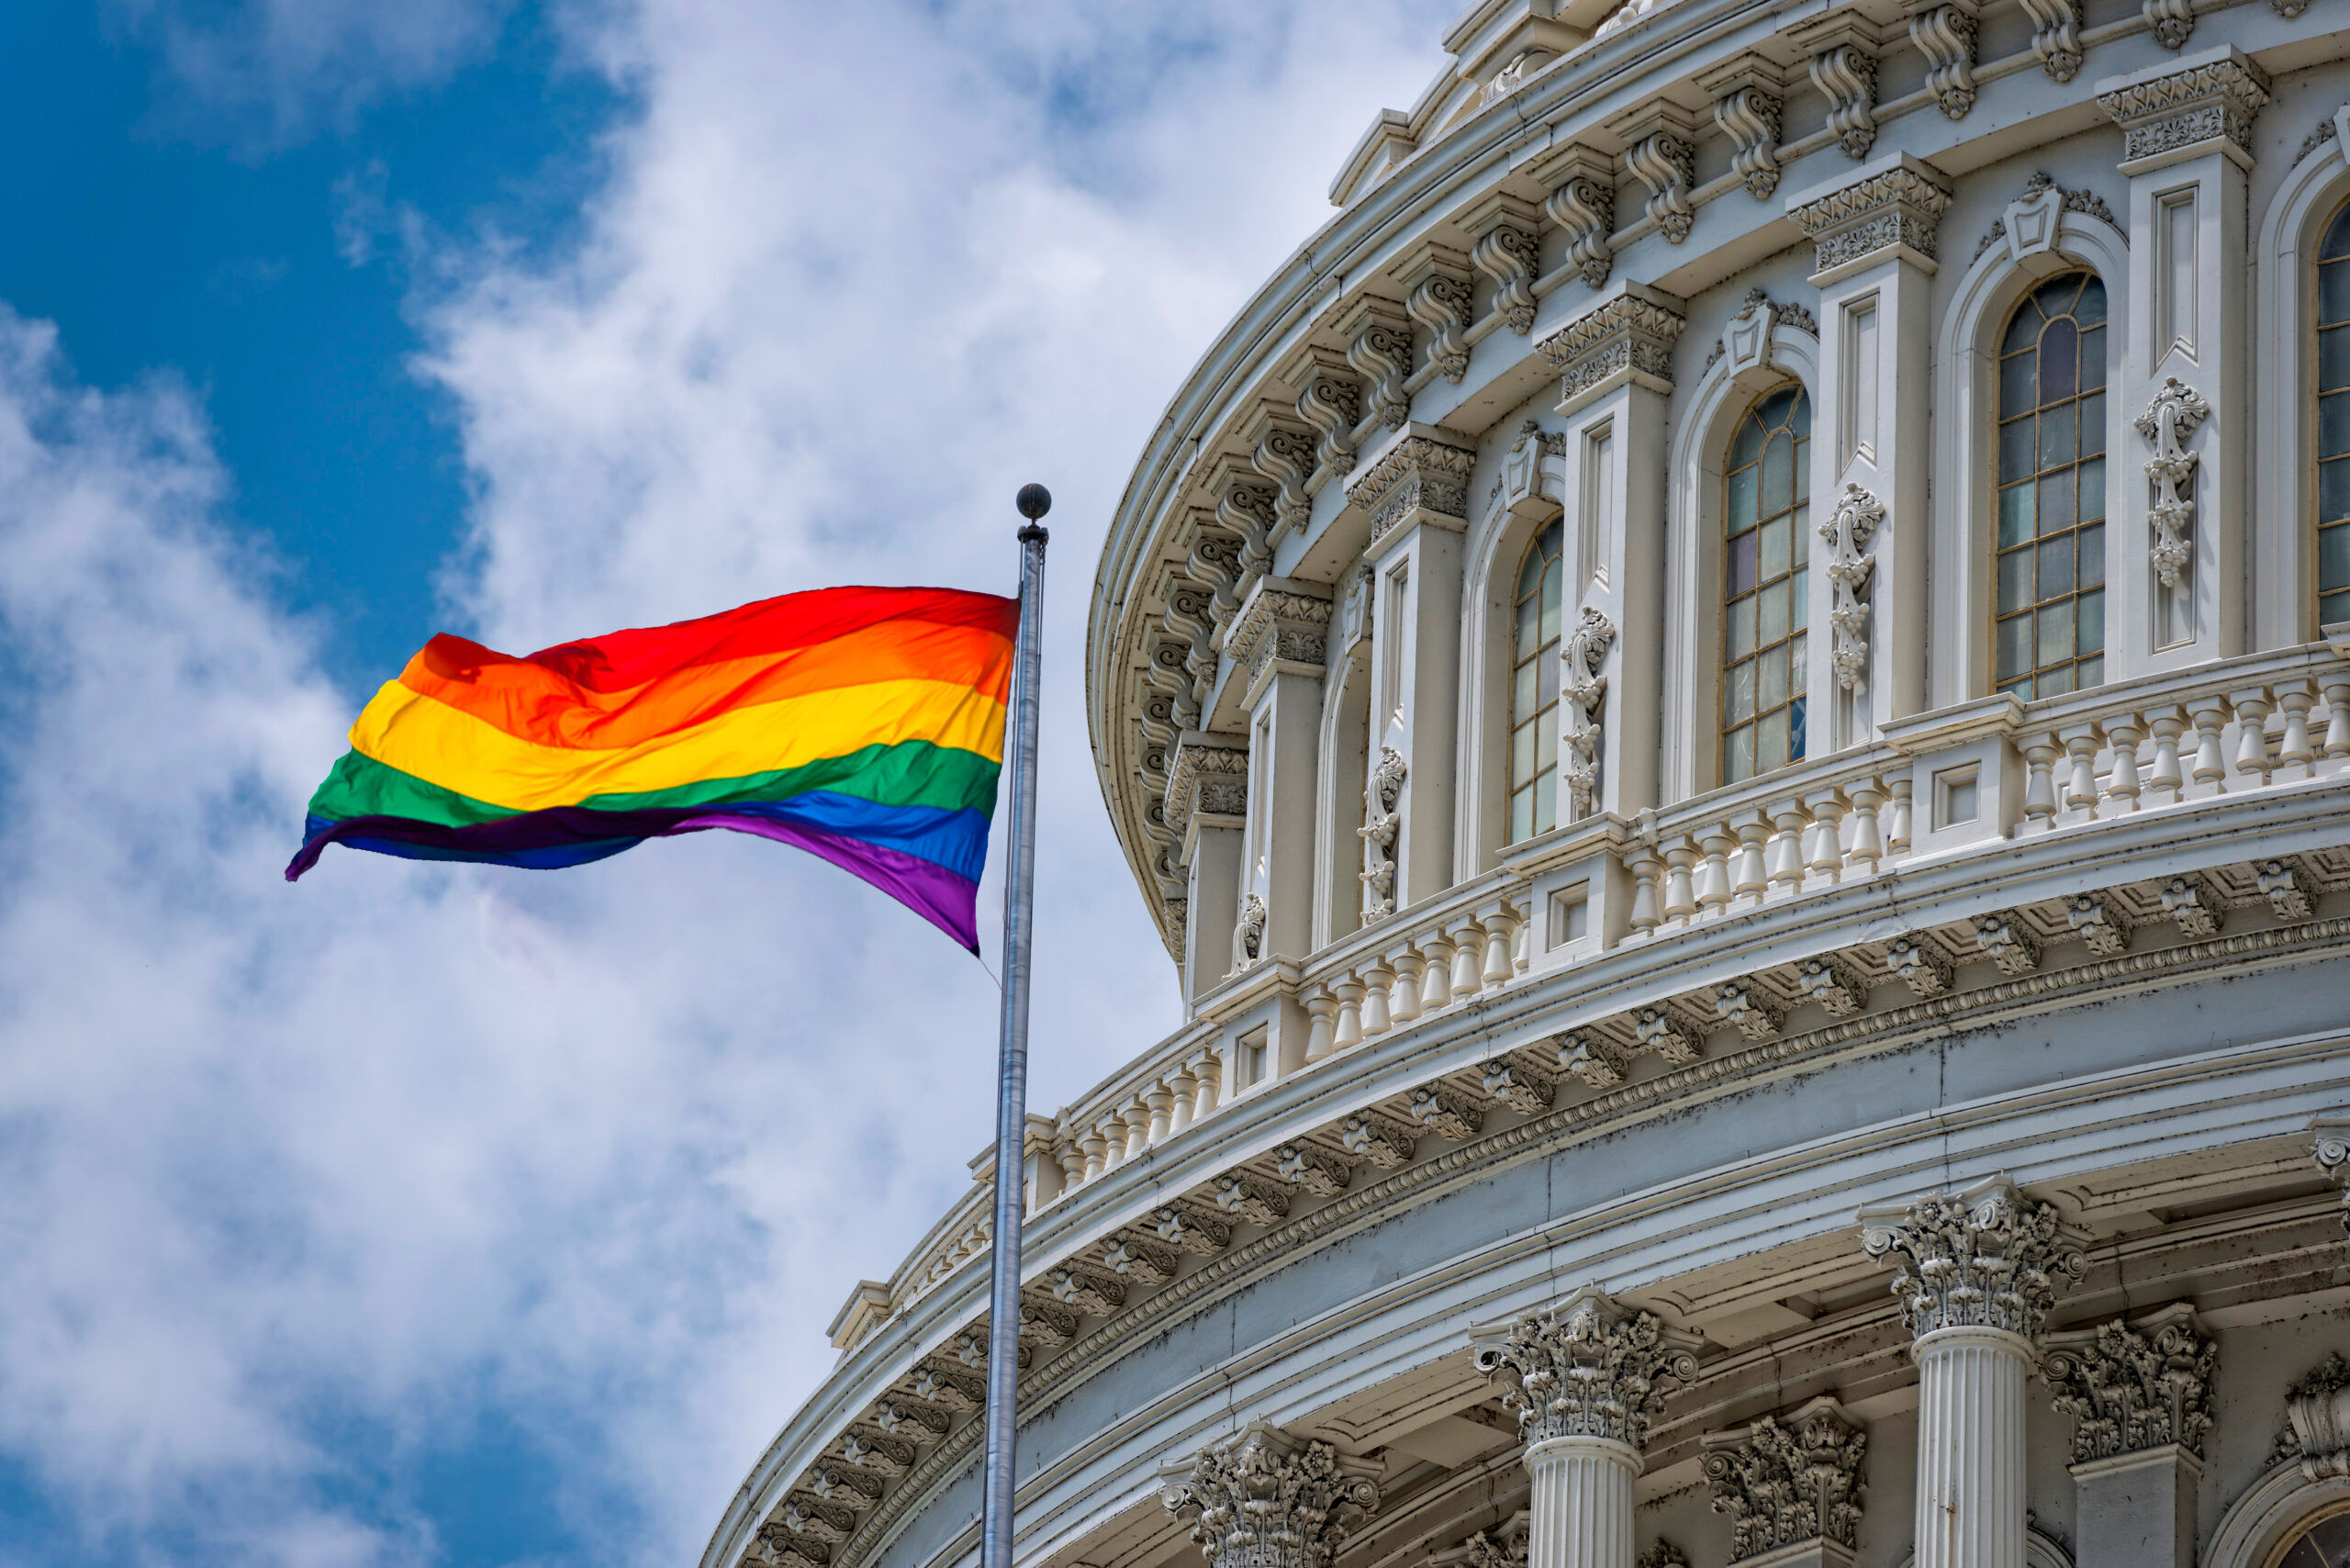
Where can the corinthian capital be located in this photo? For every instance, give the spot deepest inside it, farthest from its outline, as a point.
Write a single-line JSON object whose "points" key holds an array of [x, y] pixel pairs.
{"points": [[1784, 1483], [1984, 1257], [2132, 1386], [1585, 1367], [1262, 1499]]}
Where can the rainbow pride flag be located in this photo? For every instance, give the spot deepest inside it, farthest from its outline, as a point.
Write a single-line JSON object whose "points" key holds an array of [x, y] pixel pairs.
{"points": [[863, 724]]}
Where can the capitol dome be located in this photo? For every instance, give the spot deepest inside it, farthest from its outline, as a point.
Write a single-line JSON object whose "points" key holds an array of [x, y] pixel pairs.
{"points": [[1731, 693]]}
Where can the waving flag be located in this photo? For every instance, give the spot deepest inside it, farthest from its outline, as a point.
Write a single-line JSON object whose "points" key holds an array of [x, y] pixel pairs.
{"points": [[863, 724]]}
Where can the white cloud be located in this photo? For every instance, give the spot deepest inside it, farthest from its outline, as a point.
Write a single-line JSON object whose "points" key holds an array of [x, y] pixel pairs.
{"points": [[603, 1150]]}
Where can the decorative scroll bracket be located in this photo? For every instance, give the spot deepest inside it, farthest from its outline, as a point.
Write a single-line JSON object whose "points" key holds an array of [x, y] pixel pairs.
{"points": [[1848, 532], [2175, 415]]}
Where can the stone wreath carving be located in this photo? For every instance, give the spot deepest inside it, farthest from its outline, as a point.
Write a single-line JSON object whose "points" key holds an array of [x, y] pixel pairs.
{"points": [[1383, 796], [1586, 690], [1848, 532], [2169, 420]]}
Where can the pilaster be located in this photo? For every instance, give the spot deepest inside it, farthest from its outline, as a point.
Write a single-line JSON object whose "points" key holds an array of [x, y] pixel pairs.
{"points": [[1875, 230], [1207, 796], [2177, 558], [1415, 491], [1792, 1488], [1616, 368], [2139, 1392], [1263, 1499], [1278, 643]]}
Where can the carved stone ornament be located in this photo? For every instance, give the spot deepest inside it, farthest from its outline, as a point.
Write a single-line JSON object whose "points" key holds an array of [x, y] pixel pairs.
{"points": [[1751, 117], [1511, 254], [1785, 1483], [1848, 532], [2286, 887], [1630, 334], [1278, 625], [1585, 1367], [1747, 1008], [1494, 1548], [1664, 161], [1664, 1554], [1261, 1499], [1916, 964], [2333, 1133], [1382, 819], [1584, 204], [2100, 922], [2029, 224], [2004, 937], [1330, 399], [2317, 1421], [2194, 902], [1288, 457], [1415, 475], [1901, 206], [1986, 1258], [1584, 691], [1248, 935], [1945, 35], [1379, 346], [1210, 773], [2169, 420], [2056, 36], [2172, 22], [2129, 1387], [1834, 985], [2217, 101], [1845, 75], [1439, 300]]}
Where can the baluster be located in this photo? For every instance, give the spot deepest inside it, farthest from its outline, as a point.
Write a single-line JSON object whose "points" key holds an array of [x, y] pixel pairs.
{"points": [[1646, 915], [1826, 833], [1321, 1009], [2124, 733], [1377, 980], [2295, 700], [1207, 1068], [1786, 845], [1680, 899], [1501, 924], [2166, 726], [1349, 1030], [2210, 716], [1405, 966], [1521, 947], [1753, 876], [2080, 743], [1436, 986], [1867, 836], [1468, 956], [1713, 885], [1114, 1140], [2337, 717], [1137, 1128], [2253, 709], [1072, 1161], [1161, 1103], [2040, 785], [1898, 831], [1186, 1089]]}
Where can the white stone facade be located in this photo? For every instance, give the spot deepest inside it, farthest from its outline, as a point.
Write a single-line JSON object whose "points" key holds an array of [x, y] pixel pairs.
{"points": [[1727, 693]]}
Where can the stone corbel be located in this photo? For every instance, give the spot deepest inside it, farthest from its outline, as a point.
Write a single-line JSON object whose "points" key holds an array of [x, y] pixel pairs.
{"points": [[1437, 279], [1749, 103], [1627, 337], [1529, 486], [1508, 249], [1844, 48], [1249, 508], [1582, 184], [1379, 346], [2056, 36], [2317, 1421], [1660, 150], [1283, 451], [2332, 1131], [1944, 31], [1893, 209], [2168, 114], [2172, 22], [1791, 1484], [1330, 398]]}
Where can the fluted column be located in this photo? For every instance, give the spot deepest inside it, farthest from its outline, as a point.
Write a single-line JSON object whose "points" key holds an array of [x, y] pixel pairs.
{"points": [[1263, 1499], [1584, 1376], [1979, 1270]]}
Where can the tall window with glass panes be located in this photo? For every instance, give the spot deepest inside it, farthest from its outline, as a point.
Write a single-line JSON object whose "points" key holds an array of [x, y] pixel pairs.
{"points": [[1766, 547], [1534, 690], [2048, 629], [2332, 542]]}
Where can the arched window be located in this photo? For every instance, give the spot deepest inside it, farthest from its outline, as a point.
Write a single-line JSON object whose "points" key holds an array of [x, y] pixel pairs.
{"points": [[1766, 520], [2326, 1543], [1534, 690], [2333, 423], [2049, 627]]}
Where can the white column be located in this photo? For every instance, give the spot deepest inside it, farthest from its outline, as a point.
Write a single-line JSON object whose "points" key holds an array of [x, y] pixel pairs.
{"points": [[1207, 791], [1582, 1505], [1979, 1271], [1584, 1375], [1277, 643]]}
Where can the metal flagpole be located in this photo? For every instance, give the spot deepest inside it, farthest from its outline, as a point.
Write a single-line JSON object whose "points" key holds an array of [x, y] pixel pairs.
{"points": [[1011, 1106]]}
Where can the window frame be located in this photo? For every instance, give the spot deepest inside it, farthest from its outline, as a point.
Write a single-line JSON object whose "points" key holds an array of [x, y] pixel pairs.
{"points": [[1796, 637]]}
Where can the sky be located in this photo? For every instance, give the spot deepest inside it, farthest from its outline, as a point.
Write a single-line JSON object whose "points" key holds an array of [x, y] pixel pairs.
{"points": [[422, 1214]]}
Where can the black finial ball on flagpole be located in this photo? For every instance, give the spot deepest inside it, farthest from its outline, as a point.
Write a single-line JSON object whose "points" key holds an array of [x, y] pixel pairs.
{"points": [[1034, 502]]}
